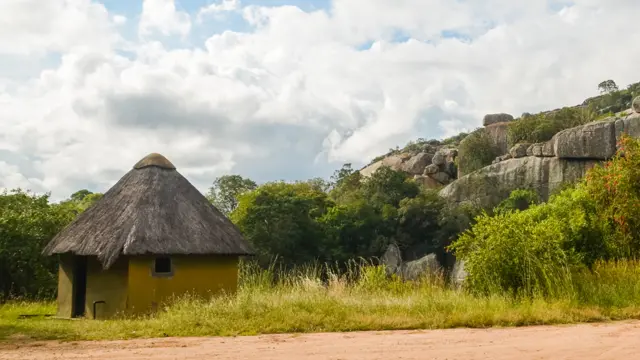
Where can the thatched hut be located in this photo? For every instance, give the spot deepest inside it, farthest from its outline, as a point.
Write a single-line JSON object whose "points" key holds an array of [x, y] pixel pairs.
{"points": [[151, 236]]}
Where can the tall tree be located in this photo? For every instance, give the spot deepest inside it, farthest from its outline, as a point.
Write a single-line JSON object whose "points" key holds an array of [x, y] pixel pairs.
{"points": [[226, 189], [607, 86], [280, 219]]}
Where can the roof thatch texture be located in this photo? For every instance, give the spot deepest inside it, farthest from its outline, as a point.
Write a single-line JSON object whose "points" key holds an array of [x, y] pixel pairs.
{"points": [[153, 209]]}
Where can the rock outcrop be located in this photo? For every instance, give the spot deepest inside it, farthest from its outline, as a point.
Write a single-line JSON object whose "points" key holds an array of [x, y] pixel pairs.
{"points": [[519, 150], [544, 166], [411, 270], [490, 185], [497, 132], [432, 170], [636, 104], [496, 118]]}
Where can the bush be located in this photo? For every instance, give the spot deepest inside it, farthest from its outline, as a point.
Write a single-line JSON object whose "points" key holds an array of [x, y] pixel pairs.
{"points": [[521, 252], [533, 251], [476, 151], [541, 127], [615, 189], [518, 200]]}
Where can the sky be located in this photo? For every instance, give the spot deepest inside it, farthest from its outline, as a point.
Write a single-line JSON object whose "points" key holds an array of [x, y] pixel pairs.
{"points": [[281, 89]]}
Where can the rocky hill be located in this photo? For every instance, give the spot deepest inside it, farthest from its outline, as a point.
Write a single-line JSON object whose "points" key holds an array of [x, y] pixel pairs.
{"points": [[546, 166], [563, 157]]}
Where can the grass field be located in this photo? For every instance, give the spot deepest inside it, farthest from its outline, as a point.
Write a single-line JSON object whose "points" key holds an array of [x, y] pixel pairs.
{"points": [[300, 302]]}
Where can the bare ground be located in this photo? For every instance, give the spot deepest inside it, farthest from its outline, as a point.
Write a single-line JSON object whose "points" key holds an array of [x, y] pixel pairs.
{"points": [[588, 341]]}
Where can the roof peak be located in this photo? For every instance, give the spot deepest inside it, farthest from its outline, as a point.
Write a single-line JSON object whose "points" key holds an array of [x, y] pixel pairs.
{"points": [[154, 159]]}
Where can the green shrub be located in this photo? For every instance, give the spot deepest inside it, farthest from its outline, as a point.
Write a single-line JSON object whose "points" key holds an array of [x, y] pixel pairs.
{"points": [[615, 188], [476, 151], [541, 127], [523, 253], [536, 250], [519, 200]]}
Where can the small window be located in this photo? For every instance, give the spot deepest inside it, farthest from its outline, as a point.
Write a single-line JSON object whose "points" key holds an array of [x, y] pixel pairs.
{"points": [[162, 266]]}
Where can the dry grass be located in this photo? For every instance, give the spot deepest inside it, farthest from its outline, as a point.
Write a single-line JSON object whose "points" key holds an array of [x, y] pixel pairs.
{"points": [[301, 302]]}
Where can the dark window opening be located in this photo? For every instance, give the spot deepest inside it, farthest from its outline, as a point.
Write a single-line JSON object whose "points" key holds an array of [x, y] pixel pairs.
{"points": [[162, 266]]}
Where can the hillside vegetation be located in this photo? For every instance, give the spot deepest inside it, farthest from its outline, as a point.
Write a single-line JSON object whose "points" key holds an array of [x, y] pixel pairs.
{"points": [[573, 258]]}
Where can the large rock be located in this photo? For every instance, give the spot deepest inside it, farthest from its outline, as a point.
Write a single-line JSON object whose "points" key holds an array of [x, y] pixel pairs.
{"points": [[411, 270], [536, 149], [441, 177], [519, 150], [630, 125], [393, 161], [440, 158], [596, 140], [427, 182], [636, 104], [431, 169], [425, 266], [496, 118], [416, 164], [548, 149], [498, 134], [490, 185], [392, 259], [458, 274]]}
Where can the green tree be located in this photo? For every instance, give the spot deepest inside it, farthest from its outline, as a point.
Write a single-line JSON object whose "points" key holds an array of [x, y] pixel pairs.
{"points": [[27, 223], [352, 230], [607, 86], [476, 151], [388, 187], [280, 220], [345, 183], [226, 189]]}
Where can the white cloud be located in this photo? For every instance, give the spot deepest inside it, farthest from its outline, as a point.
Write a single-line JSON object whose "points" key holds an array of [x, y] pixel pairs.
{"points": [[119, 19], [37, 27], [163, 17], [216, 9], [292, 96]]}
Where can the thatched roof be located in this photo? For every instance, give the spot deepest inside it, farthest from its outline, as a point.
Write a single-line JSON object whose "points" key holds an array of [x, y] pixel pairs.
{"points": [[153, 209]]}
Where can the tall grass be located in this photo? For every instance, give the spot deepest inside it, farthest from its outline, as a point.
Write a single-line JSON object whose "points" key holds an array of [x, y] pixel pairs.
{"points": [[320, 298]]}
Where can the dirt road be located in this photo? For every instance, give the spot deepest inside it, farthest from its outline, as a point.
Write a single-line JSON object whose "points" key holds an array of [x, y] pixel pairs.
{"points": [[596, 341]]}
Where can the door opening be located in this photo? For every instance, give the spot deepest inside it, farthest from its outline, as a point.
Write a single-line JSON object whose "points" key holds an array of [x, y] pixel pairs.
{"points": [[79, 285]]}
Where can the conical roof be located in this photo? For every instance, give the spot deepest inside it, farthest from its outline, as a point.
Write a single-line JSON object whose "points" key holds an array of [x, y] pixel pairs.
{"points": [[152, 209]]}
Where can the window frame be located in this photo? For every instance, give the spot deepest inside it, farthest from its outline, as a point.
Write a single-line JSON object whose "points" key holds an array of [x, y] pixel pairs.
{"points": [[154, 273]]}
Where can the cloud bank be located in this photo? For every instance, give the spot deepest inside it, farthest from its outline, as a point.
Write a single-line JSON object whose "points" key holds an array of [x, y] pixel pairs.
{"points": [[86, 90]]}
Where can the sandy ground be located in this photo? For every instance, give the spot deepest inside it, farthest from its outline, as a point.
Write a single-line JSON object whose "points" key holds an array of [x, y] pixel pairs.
{"points": [[592, 341]]}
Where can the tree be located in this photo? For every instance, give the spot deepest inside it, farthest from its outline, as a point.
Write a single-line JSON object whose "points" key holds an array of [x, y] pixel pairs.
{"points": [[607, 86], [80, 195], [280, 219], [27, 223], [225, 192]]}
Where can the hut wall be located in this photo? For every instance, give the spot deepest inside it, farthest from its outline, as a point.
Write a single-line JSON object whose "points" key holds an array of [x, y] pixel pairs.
{"points": [[65, 286], [203, 276], [109, 286]]}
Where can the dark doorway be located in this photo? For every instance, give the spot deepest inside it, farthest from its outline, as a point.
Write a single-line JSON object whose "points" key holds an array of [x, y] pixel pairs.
{"points": [[79, 285]]}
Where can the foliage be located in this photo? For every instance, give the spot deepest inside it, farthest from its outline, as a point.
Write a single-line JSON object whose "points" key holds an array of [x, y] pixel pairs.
{"points": [[615, 189], [280, 219], [535, 250], [607, 86], [358, 218], [525, 251], [541, 127], [476, 151], [518, 200], [225, 191], [27, 223]]}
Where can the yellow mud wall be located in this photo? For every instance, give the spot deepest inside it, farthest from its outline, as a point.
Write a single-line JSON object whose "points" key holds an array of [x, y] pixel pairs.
{"points": [[203, 276], [109, 286], [65, 286]]}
